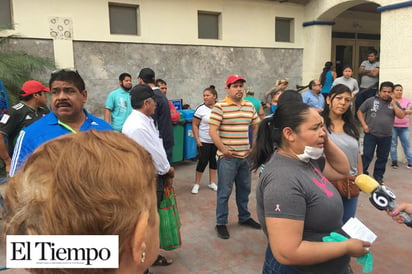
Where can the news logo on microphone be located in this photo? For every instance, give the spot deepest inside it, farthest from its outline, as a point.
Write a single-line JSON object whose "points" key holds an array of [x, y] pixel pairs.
{"points": [[381, 197]]}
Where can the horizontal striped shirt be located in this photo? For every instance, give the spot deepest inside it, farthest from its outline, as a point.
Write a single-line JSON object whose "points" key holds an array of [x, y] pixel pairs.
{"points": [[233, 123]]}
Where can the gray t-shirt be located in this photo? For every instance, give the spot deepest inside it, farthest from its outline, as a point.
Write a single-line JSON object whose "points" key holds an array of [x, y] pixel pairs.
{"points": [[292, 189], [351, 83], [366, 80], [350, 146], [379, 116]]}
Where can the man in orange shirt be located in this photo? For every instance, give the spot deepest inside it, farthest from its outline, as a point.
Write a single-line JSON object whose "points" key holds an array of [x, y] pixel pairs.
{"points": [[229, 122]]}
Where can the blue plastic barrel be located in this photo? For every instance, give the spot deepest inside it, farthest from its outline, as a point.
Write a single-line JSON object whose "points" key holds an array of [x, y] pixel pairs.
{"points": [[189, 142]]}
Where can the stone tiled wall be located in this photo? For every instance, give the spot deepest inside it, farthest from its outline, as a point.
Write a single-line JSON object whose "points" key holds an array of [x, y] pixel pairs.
{"points": [[187, 69], [37, 47]]}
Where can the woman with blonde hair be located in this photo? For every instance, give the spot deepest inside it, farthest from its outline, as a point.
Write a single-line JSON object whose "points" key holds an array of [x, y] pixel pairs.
{"points": [[90, 183], [281, 85]]}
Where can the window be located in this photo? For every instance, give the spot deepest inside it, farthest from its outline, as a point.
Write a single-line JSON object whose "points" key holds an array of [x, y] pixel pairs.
{"points": [[284, 29], [208, 25], [5, 14], [123, 19]]}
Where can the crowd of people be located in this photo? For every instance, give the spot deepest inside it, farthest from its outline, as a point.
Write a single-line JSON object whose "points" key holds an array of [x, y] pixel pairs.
{"points": [[308, 145]]}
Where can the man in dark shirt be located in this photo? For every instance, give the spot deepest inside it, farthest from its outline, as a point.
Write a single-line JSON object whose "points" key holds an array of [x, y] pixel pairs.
{"points": [[164, 125], [32, 106], [376, 116], [162, 113]]}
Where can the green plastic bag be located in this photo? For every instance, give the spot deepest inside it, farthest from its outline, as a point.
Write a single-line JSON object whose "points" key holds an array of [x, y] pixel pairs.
{"points": [[169, 221], [366, 260]]}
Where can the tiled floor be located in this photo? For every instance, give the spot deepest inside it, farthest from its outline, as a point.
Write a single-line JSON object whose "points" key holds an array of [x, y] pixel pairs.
{"points": [[203, 252]]}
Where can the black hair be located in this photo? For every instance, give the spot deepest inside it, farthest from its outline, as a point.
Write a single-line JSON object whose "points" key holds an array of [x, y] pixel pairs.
{"points": [[138, 104], [347, 66], [212, 90], [124, 75], [386, 84], [349, 126], [25, 98], [269, 136], [70, 76], [160, 81], [311, 84], [326, 68], [397, 85], [290, 96], [372, 50]]}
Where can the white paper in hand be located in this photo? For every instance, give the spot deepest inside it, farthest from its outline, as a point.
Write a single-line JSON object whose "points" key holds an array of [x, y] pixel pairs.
{"points": [[356, 229]]}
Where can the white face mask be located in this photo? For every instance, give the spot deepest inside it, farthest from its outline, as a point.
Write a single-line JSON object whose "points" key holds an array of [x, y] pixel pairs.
{"points": [[313, 153]]}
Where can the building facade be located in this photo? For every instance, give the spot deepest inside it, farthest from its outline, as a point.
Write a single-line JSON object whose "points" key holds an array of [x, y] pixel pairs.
{"points": [[195, 43]]}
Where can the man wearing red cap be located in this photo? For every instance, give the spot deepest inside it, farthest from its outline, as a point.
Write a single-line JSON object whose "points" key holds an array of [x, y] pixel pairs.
{"points": [[68, 95], [229, 122], [33, 106]]}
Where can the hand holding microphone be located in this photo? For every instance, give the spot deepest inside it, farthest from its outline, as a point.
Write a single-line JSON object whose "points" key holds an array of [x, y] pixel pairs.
{"points": [[404, 207], [381, 197]]}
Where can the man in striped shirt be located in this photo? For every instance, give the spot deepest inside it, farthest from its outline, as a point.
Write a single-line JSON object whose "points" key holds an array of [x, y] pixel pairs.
{"points": [[229, 122]]}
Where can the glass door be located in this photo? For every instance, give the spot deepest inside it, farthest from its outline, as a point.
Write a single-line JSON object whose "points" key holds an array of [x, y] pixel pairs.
{"points": [[351, 52], [343, 51]]}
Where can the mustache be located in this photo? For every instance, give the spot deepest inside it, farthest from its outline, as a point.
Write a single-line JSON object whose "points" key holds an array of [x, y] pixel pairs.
{"points": [[62, 103]]}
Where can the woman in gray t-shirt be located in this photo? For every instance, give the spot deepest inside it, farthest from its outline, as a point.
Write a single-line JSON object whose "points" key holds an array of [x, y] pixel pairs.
{"points": [[340, 123], [297, 206]]}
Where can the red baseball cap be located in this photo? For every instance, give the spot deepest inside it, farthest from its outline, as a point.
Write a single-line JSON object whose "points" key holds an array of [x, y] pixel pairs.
{"points": [[234, 78], [31, 87]]}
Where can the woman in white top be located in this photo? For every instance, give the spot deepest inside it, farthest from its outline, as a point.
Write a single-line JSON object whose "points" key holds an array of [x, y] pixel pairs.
{"points": [[207, 149], [347, 80]]}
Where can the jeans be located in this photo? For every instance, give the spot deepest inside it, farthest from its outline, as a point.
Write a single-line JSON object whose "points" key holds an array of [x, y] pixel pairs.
{"points": [[383, 146], [403, 134], [349, 208], [271, 266], [229, 171]]}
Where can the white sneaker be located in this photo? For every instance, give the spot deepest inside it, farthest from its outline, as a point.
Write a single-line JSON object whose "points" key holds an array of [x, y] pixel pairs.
{"points": [[195, 189], [213, 186]]}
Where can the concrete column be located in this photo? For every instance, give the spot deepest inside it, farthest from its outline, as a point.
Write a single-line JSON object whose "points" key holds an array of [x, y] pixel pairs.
{"points": [[63, 53], [317, 50], [61, 30], [395, 56]]}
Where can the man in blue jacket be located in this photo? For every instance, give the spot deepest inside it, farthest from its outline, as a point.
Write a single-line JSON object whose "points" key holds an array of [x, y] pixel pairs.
{"points": [[68, 96]]}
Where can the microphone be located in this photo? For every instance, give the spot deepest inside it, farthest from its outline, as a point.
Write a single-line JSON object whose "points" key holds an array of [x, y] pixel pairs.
{"points": [[381, 196]]}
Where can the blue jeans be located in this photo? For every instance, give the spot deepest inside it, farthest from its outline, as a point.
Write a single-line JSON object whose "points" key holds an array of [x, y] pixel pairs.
{"points": [[383, 146], [231, 170], [271, 266], [403, 134], [349, 208]]}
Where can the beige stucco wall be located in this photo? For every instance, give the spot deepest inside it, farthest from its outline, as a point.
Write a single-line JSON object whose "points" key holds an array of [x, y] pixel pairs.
{"points": [[395, 60], [350, 21], [244, 23]]}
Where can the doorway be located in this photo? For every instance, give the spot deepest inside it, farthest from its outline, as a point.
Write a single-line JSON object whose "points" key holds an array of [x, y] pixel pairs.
{"points": [[351, 52]]}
